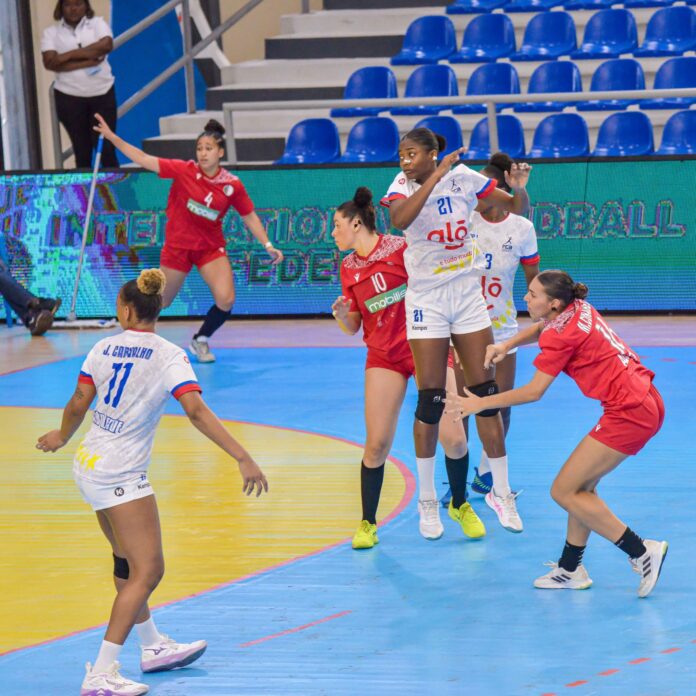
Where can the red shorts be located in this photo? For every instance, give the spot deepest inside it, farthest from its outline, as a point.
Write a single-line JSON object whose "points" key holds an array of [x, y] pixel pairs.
{"points": [[404, 367], [628, 431], [185, 259]]}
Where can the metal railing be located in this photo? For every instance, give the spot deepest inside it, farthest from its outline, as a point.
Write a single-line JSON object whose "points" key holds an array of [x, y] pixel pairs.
{"points": [[186, 62], [490, 101]]}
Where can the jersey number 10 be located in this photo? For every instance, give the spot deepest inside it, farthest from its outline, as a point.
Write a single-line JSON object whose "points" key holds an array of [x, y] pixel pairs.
{"points": [[127, 367]]}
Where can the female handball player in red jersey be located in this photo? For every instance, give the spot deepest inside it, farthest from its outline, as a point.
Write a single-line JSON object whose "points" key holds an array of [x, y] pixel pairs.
{"points": [[575, 339], [432, 203], [132, 375], [199, 198], [373, 282]]}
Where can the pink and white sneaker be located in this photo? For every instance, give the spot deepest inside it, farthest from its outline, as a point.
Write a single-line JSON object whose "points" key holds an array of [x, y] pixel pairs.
{"points": [[506, 510], [168, 654], [110, 683]]}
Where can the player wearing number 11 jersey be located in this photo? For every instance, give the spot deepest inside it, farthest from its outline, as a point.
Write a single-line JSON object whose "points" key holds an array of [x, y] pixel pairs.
{"points": [[132, 376], [575, 339]]}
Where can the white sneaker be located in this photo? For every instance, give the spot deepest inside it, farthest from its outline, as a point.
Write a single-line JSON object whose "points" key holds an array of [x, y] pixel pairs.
{"points": [[561, 579], [506, 509], [168, 654], [430, 526], [201, 350], [649, 565], [110, 683]]}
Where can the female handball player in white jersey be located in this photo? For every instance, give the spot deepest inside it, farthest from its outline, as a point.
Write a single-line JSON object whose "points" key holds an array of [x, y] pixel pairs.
{"points": [[432, 203], [507, 241], [373, 282], [574, 338], [201, 194], [132, 375]]}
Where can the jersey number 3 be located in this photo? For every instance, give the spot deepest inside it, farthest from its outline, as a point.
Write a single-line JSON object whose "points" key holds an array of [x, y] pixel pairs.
{"points": [[117, 367]]}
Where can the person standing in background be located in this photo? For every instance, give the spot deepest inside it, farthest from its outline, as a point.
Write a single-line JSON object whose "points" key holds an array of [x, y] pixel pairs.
{"points": [[76, 49]]}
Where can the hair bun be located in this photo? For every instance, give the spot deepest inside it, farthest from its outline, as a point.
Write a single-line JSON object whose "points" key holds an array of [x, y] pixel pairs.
{"points": [[214, 126], [151, 281], [580, 291], [501, 160], [362, 197], [441, 142]]}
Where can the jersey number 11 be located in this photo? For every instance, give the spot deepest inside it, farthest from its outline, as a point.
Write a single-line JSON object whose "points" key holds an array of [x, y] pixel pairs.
{"points": [[127, 367]]}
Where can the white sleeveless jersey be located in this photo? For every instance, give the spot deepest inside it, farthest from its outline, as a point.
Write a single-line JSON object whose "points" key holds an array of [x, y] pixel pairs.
{"points": [[134, 373], [504, 246], [440, 247]]}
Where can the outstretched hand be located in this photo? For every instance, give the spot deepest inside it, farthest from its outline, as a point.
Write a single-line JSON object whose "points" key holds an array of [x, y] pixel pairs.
{"points": [[461, 406], [253, 477], [494, 354], [276, 255], [102, 127], [518, 176]]}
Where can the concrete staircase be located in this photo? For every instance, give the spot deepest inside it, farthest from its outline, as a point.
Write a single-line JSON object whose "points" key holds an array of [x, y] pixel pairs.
{"points": [[316, 53]]}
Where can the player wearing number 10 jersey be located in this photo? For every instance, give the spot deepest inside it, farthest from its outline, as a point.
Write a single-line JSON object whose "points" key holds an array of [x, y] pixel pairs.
{"points": [[132, 375], [575, 339]]}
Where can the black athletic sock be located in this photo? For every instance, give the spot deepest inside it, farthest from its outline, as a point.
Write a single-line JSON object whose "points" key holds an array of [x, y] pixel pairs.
{"points": [[630, 543], [457, 472], [370, 488], [571, 557], [214, 319]]}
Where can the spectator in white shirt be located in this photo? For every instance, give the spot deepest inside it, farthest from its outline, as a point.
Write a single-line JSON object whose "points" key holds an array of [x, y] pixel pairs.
{"points": [[75, 48]]}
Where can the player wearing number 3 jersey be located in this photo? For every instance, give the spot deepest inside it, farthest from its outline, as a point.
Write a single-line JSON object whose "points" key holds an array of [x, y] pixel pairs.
{"points": [[575, 339], [373, 280], [132, 376]]}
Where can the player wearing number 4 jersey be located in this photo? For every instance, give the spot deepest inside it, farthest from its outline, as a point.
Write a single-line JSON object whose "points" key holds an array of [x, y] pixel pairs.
{"points": [[373, 280], [575, 339], [132, 376], [202, 192], [432, 203]]}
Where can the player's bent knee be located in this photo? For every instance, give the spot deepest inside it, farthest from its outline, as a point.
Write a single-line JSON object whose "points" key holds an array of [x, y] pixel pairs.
{"points": [[121, 569], [431, 404], [486, 389]]}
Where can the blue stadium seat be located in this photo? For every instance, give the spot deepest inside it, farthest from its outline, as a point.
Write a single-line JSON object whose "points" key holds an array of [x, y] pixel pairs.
{"points": [[374, 139], [312, 141], [554, 76], [492, 78], [625, 135], [446, 126], [429, 81], [531, 5], [561, 135], [616, 74], [475, 6], [588, 4], [486, 38], [673, 74], [651, 3], [373, 82], [547, 36], [510, 138], [427, 40], [679, 134], [670, 32], [608, 34]]}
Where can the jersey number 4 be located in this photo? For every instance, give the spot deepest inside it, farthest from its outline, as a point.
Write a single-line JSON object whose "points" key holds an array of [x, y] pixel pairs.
{"points": [[117, 367]]}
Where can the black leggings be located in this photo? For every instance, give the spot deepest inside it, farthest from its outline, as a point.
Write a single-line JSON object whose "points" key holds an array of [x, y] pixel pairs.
{"points": [[77, 116]]}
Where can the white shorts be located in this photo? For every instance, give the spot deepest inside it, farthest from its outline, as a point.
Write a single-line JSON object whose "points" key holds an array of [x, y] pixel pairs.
{"points": [[500, 335], [107, 495], [456, 307]]}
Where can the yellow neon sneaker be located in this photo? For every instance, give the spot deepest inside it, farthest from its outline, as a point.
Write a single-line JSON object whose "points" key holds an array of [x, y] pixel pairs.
{"points": [[366, 536], [468, 519]]}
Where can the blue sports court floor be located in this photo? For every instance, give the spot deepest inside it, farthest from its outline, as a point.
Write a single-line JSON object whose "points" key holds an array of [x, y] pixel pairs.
{"points": [[409, 616]]}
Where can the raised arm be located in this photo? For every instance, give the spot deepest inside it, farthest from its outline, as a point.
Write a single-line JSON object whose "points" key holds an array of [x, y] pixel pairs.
{"points": [[496, 352], [73, 415], [133, 153], [209, 424], [404, 211], [518, 202]]}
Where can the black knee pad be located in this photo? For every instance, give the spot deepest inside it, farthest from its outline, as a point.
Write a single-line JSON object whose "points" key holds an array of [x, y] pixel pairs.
{"points": [[121, 569], [431, 404], [486, 389]]}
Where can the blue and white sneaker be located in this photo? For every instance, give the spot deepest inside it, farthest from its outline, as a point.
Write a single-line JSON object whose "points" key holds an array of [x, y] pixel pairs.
{"points": [[482, 484]]}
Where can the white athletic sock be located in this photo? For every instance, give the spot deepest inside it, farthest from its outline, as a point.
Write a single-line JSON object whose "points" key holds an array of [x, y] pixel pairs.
{"points": [[148, 633], [484, 467], [426, 478], [499, 470], [108, 654]]}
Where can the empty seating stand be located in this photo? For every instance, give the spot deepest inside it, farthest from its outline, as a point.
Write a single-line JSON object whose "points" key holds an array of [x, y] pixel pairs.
{"points": [[608, 34], [492, 78], [510, 138], [427, 40], [428, 81], [547, 36], [446, 126], [614, 75], [554, 76], [312, 141], [373, 82], [374, 139], [475, 6], [561, 135], [625, 135], [679, 134], [670, 32], [486, 38], [674, 73]]}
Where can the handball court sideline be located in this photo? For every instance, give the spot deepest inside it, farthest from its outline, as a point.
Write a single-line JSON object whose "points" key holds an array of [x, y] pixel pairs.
{"points": [[272, 584]]}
